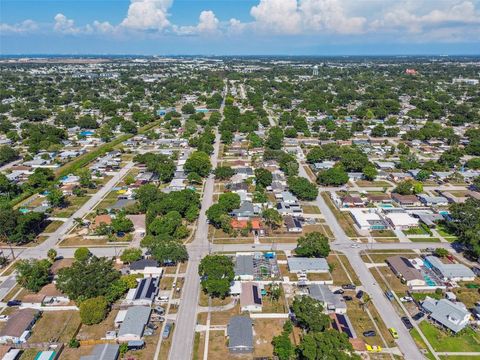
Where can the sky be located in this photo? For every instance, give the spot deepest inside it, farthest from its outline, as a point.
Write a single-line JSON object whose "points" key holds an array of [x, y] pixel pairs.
{"points": [[240, 27]]}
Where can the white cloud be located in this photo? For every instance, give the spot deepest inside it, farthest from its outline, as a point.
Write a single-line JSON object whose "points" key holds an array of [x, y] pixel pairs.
{"points": [[65, 25], [410, 18], [103, 27], [207, 24], [147, 15], [235, 26], [278, 16], [25, 26], [329, 15]]}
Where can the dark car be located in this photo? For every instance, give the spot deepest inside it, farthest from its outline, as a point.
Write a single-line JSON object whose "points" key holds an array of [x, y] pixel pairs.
{"points": [[359, 294], [406, 321], [339, 291], [14, 303], [418, 316], [347, 298], [349, 287], [369, 333]]}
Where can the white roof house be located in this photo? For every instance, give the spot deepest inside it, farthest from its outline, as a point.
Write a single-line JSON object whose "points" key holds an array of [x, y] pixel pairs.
{"points": [[308, 265], [453, 316], [367, 219], [401, 221], [453, 272]]}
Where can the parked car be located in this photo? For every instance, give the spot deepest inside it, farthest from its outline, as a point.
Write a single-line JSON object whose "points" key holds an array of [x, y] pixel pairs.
{"points": [[339, 291], [14, 303], [418, 316], [373, 348], [394, 332], [166, 331], [152, 326], [369, 333], [406, 321], [359, 294], [347, 298], [159, 310], [4, 317], [406, 299], [389, 295], [349, 287]]}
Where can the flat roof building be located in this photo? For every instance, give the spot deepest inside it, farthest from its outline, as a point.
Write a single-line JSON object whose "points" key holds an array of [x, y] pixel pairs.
{"points": [[308, 265]]}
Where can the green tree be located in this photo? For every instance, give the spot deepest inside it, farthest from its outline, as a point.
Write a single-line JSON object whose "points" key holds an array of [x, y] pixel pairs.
{"points": [[263, 177], [302, 188], [33, 274], [52, 254], [272, 218], [309, 314], [216, 272], [82, 254], [370, 172], [130, 255], [329, 344], [335, 176], [229, 201], [94, 310], [198, 162], [168, 251], [224, 172], [41, 178], [55, 197], [441, 252], [121, 223], [86, 279], [313, 244]]}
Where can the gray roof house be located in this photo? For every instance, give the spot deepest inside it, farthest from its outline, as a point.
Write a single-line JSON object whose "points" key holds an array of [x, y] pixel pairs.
{"points": [[246, 210], [331, 301], [103, 352], [240, 335], [453, 272], [134, 323], [244, 267], [450, 315], [308, 265]]}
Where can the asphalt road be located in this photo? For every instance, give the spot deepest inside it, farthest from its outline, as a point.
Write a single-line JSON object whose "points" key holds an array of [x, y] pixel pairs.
{"points": [[184, 333], [391, 319]]}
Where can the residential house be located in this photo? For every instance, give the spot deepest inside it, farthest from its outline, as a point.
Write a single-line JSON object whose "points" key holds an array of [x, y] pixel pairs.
{"points": [[350, 201], [368, 219], [330, 301], [449, 272], [433, 200], [134, 323], [406, 200], [103, 352], [240, 335], [405, 271], [292, 224], [251, 297], [18, 326], [307, 265], [452, 316], [144, 293], [146, 267], [246, 211], [244, 269]]}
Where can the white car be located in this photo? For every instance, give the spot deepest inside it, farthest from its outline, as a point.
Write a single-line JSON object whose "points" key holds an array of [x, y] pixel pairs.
{"points": [[406, 299], [4, 317]]}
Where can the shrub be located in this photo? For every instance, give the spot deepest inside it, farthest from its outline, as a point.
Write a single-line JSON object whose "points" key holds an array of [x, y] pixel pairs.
{"points": [[94, 310]]}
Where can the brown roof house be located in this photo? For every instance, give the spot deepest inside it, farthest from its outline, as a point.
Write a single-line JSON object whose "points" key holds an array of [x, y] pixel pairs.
{"points": [[406, 200], [17, 329], [404, 269]]}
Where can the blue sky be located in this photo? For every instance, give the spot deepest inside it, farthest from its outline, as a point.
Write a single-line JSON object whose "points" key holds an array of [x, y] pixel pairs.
{"points": [[236, 27]]}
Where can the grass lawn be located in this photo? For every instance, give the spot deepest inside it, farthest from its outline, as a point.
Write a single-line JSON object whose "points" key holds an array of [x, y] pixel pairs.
{"points": [[445, 232], [264, 331], [311, 209], [166, 344], [56, 326], [203, 300], [415, 231], [469, 341], [422, 296], [217, 346], [54, 225], [421, 344], [424, 239], [338, 273], [382, 233]]}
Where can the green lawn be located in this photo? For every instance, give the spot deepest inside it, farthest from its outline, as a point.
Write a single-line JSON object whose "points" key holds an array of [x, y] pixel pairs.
{"points": [[415, 231], [467, 341], [421, 344], [424, 239], [422, 296]]}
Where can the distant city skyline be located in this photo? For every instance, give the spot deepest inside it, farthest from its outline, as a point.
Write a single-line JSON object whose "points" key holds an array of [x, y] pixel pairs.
{"points": [[247, 27]]}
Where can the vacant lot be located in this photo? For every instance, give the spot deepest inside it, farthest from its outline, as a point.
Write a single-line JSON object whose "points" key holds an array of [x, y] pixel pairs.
{"points": [[264, 331], [56, 326], [95, 332]]}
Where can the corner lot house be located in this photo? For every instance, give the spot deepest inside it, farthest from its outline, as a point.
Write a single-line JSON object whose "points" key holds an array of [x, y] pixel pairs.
{"points": [[403, 268], [452, 272], [244, 267], [329, 300], [307, 265], [240, 335], [134, 323], [17, 329], [452, 316]]}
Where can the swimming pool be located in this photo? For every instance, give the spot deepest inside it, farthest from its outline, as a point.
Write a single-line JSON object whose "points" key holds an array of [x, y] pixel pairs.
{"points": [[386, 206], [429, 281]]}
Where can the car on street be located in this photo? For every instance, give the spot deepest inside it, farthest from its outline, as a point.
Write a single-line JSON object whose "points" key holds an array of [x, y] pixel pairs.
{"points": [[393, 332], [369, 333], [349, 287], [406, 321], [14, 303], [166, 331]]}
